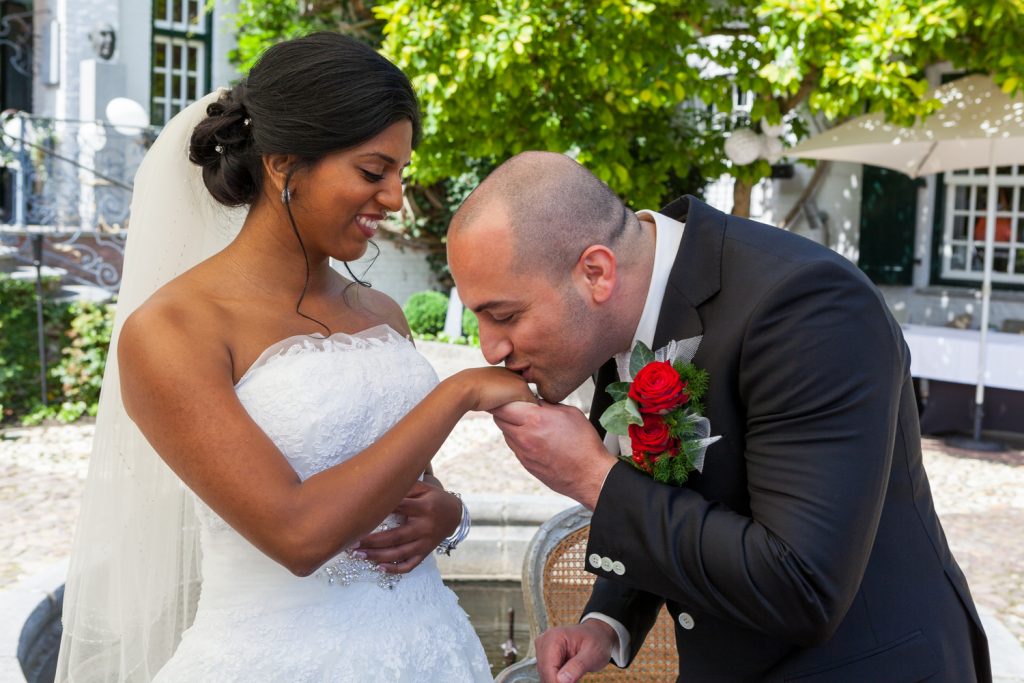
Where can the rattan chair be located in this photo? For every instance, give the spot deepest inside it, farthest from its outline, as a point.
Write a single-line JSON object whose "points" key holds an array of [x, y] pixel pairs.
{"points": [[556, 588]]}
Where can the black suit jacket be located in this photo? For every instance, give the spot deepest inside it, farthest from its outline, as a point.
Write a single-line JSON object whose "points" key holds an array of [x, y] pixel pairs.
{"points": [[808, 549]]}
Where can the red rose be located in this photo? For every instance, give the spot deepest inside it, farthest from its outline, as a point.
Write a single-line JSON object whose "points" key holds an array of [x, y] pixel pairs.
{"points": [[640, 461], [652, 437], [657, 388], [643, 461]]}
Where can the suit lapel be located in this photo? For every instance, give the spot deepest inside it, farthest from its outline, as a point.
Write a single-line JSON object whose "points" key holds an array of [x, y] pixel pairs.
{"points": [[697, 272], [607, 374]]}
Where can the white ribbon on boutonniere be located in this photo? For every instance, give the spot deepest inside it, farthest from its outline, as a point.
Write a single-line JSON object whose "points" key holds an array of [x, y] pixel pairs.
{"points": [[679, 354]]}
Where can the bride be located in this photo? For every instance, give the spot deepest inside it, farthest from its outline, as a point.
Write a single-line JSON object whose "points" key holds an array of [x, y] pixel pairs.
{"points": [[270, 413]]}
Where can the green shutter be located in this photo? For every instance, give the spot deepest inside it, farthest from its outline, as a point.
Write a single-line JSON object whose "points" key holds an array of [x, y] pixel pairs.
{"points": [[888, 211]]}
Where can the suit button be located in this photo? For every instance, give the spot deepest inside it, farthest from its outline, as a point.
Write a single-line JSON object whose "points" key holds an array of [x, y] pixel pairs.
{"points": [[618, 568], [606, 564], [685, 620], [595, 561]]}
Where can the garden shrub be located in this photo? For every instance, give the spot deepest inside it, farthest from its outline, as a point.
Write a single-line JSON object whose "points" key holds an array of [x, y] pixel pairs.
{"points": [[470, 325], [19, 348], [80, 371], [426, 312]]}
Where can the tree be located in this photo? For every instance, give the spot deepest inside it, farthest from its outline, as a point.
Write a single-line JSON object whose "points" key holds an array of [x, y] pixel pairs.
{"points": [[261, 23], [599, 79], [624, 86], [642, 92]]}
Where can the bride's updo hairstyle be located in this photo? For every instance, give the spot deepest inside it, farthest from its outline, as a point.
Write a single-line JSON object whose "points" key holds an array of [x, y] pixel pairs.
{"points": [[309, 97]]}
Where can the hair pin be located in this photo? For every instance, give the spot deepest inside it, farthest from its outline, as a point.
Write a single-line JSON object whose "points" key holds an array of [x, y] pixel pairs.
{"points": [[246, 121], [219, 149]]}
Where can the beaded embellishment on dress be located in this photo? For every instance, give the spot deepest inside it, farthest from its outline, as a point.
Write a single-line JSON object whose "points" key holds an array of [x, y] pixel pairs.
{"points": [[345, 569]]}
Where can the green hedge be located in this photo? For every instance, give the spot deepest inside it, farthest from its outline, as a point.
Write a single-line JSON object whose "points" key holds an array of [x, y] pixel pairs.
{"points": [[80, 370], [426, 312], [470, 326], [76, 335], [19, 347]]}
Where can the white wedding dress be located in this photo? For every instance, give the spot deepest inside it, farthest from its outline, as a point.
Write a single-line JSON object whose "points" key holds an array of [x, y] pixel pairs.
{"points": [[322, 401]]}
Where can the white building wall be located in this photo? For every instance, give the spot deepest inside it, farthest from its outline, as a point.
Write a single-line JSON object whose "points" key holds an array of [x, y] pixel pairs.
{"points": [[47, 30], [838, 202], [135, 39], [399, 271], [77, 19], [222, 71]]}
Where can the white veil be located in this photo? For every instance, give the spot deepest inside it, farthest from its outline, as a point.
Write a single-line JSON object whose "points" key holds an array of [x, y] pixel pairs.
{"points": [[134, 576]]}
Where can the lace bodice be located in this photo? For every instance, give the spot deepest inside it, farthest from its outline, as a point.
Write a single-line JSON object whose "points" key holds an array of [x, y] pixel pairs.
{"points": [[321, 403], [322, 400]]}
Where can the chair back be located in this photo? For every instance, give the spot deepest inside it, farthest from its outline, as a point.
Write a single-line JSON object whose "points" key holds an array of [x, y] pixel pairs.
{"points": [[556, 587]]}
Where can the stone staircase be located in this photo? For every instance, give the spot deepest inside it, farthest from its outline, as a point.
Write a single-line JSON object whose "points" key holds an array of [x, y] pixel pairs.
{"points": [[57, 285]]}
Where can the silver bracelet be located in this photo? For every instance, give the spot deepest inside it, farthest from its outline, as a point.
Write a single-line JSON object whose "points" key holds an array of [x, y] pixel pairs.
{"points": [[446, 546]]}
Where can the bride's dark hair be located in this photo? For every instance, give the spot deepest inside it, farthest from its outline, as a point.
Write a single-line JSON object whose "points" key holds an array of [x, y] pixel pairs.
{"points": [[308, 97]]}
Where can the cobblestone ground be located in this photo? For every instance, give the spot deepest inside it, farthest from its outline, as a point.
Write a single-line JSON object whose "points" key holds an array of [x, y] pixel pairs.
{"points": [[980, 500], [42, 470], [979, 497]]}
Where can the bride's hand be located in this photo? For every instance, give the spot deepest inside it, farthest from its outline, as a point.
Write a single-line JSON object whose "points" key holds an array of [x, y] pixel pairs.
{"points": [[490, 388], [431, 514]]}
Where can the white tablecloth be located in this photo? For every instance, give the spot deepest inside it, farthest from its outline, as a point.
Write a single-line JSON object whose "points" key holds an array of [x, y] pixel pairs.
{"points": [[951, 355]]}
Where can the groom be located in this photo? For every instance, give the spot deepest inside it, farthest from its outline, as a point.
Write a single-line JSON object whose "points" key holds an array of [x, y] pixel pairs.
{"points": [[808, 549]]}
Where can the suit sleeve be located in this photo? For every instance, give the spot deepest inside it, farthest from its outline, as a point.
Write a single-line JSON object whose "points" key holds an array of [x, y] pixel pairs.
{"points": [[820, 372], [636, 610]]}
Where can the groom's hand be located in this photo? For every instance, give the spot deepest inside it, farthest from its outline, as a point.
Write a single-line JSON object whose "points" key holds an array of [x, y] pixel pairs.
{"points": [[565, 653], [557, 444]]}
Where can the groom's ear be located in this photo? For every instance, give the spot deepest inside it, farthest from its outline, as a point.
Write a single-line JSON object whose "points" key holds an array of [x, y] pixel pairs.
{"points": [[596, 272]]}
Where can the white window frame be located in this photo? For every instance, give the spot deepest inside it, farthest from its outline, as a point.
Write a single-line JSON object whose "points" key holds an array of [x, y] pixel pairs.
{"points": [[183, 27], [963, 249], [182, 16]]}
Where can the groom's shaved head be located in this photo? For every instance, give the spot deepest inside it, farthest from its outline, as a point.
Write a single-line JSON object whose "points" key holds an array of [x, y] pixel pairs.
{"points": [[543, 214], [553, 206]]}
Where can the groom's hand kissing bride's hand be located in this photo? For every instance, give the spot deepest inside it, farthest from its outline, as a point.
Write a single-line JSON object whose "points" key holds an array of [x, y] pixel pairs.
{"points": [[558, 445], [565, 653], [491, 387]]}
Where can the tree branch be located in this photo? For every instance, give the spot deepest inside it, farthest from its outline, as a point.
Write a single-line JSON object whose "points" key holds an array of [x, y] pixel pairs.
{"points": [[809, 83], [809, 189]]}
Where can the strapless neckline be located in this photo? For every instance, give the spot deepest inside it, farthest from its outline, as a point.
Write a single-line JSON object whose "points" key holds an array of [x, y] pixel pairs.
{"points": [[383, 333]]}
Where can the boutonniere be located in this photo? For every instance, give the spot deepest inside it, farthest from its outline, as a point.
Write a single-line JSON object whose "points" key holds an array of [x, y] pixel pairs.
{"points": [[658, 413]]}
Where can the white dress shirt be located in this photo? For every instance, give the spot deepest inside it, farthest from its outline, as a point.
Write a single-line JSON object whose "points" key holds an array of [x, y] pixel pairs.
{"points": [[667, 236]]}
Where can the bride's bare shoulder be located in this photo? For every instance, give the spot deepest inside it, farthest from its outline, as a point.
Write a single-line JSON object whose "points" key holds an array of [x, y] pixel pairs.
{"points": [[383, 307], [184, 316]]}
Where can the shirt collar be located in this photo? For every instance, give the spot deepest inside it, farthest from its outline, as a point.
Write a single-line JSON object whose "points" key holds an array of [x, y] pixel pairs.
{"points": [[668, 235]]}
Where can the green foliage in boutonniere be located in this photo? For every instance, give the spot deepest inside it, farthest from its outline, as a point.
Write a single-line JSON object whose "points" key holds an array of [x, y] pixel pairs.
{"points": [[661, 411]]}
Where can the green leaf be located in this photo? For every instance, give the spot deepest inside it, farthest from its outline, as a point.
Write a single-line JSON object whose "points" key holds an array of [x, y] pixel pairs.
{"points": [[640, 357], [616, 419], [633, 410], [618, 390], [696, 380]]}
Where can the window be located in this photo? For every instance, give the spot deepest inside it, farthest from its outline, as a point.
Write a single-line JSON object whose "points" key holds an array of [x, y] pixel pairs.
{"points": [[963, 244], [888, 212], [180, 64]]}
